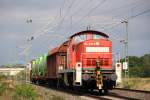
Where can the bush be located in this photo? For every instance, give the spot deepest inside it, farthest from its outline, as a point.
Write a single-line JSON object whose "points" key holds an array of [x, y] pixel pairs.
{"points": [[2, 88], [140, 72], [2, 76], [21, 75], [25, 91]]}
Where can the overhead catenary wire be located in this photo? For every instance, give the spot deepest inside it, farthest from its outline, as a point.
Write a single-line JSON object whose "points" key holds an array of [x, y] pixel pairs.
{"points": [[93, 7], [120, 22], [136, 4], [124, 6], [83, 17], [63, 17], [139, 14], [127, 6], [81, 5], [90, 11], [56, 26], [126, 20], [42, 31], [79, 8], [85, 5], [48, 26], [109, 26]]}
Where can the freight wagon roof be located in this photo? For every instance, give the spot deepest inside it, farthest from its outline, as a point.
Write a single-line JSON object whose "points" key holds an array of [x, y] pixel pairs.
{"points": [[53, 51], [90, 31], [61, 48]]}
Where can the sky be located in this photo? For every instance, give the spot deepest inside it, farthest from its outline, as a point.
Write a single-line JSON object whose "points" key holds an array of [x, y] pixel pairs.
{"points": [[53, 21]]}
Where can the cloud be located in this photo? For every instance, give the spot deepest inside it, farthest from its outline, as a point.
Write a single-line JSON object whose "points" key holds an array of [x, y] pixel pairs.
{"points": [[14, 31]]}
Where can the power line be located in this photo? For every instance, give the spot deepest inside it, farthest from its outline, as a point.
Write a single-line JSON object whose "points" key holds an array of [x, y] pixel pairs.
{"points": [[125, 6], [81, 8], [135, 4], [129, 18], [61, 21], [134, 16], [63, 18], [38, 33], [81, 5], [125, 20], [98, 5], [47, 27]]}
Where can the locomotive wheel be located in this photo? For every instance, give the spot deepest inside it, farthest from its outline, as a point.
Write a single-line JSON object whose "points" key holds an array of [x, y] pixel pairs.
{"points": [[77, 88], [103, 91]]}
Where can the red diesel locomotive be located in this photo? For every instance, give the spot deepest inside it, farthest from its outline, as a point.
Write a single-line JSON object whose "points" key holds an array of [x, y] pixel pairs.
{"points": [[84, 61]]}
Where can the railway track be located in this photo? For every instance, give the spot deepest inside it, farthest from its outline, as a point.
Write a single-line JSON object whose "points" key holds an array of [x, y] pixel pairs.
{"points": [[122, 94], [115, 94], [130, 94], [141, 91]]}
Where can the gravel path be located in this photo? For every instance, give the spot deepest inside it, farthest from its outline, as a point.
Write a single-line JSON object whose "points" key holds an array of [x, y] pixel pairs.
{"points": [[53, 94]]}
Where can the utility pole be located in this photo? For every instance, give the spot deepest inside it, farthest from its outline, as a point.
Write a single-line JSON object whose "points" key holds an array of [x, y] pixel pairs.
{"points": [[118, 57], [27, 54], [29, 21], [125, 41]]}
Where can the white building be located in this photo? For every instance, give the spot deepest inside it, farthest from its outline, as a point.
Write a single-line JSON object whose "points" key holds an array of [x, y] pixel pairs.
{"points": [[11, 71]]}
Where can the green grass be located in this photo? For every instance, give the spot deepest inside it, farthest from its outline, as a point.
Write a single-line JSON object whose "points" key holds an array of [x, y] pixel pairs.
{"points": [[3, 88], [136, 83], [24, 92], [14, 88]]}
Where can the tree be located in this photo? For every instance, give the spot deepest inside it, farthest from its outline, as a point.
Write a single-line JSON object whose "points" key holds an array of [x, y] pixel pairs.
{"points": [[135, 61], [139, 66], [146, 60]]}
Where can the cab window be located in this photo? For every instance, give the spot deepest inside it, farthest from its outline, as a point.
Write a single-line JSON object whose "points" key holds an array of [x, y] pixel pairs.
{"points": [[95, 36], [80, 38]]}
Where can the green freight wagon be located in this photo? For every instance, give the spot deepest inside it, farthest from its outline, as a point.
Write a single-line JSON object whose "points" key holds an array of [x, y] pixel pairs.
{"points": [[42, 65], [33, 68], [37, 67]]}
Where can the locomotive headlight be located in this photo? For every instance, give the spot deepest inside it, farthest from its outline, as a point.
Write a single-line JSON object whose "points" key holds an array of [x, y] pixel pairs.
{"points": [[85, 77], [86, 71]]}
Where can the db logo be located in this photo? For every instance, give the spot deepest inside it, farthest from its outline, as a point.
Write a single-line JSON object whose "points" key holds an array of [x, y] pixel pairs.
{"points": [[118, 65], [92, 43]]}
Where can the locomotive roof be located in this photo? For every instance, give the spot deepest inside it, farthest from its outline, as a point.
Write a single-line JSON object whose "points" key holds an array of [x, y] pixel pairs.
{"points": [[90, 31]]}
